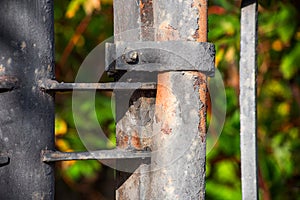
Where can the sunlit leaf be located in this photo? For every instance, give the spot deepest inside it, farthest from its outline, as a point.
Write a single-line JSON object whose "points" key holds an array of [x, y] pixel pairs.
{"points": [[61, 126]]}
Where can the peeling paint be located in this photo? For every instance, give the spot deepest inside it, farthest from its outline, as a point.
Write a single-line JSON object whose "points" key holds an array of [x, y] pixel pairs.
{"points": [[23, 45], [2, 68], [9, 60]]}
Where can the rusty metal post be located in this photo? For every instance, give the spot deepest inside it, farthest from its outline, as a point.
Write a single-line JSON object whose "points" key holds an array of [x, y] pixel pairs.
{"points": [[26, 113], [133, 21], [179, 143]]}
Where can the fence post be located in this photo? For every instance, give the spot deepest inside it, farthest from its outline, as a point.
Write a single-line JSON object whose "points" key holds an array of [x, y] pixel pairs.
{"points": [[133, 21], [26, 112], [248, 115], [180, 110]]}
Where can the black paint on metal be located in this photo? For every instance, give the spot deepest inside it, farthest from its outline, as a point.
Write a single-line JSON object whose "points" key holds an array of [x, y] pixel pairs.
{"points": [[26, 113], [8, 83], [152, 56], [248, 98], [4, 160]]}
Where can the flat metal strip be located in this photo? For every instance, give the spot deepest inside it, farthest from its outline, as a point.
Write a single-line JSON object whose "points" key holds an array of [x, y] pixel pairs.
{"points": [[248, 97], [52, 156], [51, 85]]}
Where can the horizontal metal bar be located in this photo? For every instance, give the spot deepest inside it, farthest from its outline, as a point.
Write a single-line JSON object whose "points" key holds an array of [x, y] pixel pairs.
{"points": [[51, 85], [52, 156], [8, 83]]}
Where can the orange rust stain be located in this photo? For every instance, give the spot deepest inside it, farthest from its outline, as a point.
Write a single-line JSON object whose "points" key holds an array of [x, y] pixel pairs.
{"points": [[165, 109], [142, 5], [122, 140], [201, 33], [136, 141], [164, 98], [167, 32], [201, 84], [201, 81]]}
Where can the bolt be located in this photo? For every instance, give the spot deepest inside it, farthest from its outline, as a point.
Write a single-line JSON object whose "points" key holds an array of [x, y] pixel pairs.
{"points": [[132, 57]]}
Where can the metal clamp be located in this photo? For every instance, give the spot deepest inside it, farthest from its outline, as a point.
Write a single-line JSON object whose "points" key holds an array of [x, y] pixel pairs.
{"points": [[160, 56]]}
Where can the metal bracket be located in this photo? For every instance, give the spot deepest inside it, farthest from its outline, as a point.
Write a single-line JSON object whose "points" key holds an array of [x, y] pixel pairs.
{"points": [[160, 56]]}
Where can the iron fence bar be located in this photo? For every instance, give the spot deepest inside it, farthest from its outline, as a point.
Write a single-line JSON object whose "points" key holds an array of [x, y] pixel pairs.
{"points": [[133, 21], [248, 114], [26, 113], [52, 156], [52, 85]]}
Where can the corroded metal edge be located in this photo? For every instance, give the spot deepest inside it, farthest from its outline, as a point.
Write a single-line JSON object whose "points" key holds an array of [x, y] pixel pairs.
{"points": [[52, 156]]}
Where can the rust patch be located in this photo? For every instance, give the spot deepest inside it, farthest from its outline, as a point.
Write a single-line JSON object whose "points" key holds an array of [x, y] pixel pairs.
{"points": [[201, 79], [167, 32], [146, 15], [201, 33], [165, 108], [200, 84], [203, 99], [122, 140], [166, 130], [136, 141]]}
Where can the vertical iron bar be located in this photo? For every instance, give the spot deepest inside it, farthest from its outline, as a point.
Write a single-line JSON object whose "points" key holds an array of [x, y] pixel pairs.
{"points": [[248, 115], [26, 113]]}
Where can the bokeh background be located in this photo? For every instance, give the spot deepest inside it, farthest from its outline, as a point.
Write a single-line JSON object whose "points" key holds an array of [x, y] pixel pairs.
{"points": [[80, 25]]}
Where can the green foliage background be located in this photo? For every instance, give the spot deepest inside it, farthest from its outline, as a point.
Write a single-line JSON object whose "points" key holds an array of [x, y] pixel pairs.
{"points": [[81, 25]]}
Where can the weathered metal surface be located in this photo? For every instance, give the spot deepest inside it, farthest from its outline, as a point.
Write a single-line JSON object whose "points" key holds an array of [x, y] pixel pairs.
{"points": [[136, 186], [133, 20], [178, 159], [163, 56], [8, 83], [4, 160], [26, 113], [248, 115], [51, 156], [51, 85], [179, 144]]}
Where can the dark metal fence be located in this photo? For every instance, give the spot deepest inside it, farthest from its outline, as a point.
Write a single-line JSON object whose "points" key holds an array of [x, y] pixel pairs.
{"points": [[27, 89]]}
